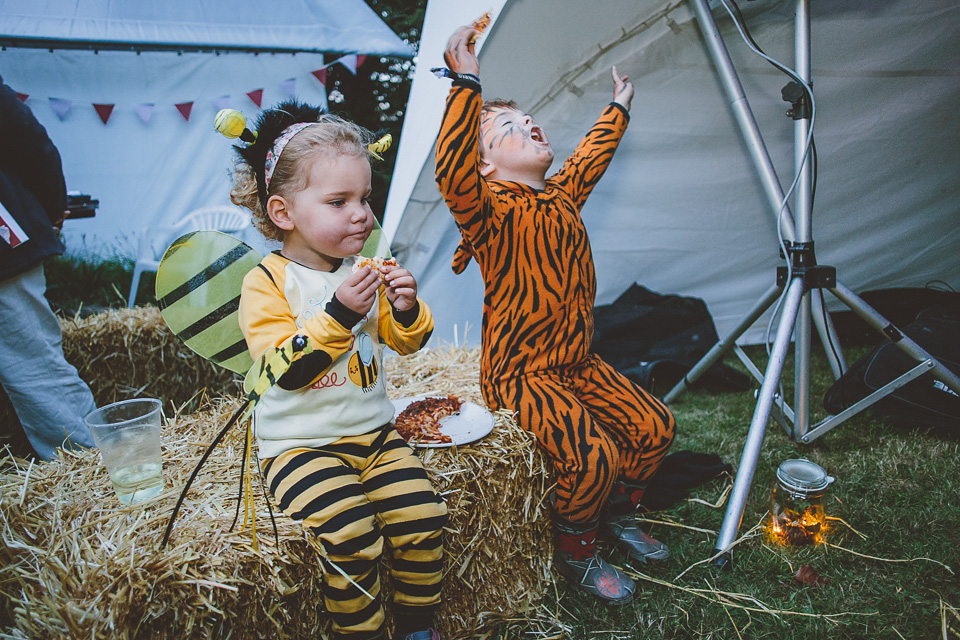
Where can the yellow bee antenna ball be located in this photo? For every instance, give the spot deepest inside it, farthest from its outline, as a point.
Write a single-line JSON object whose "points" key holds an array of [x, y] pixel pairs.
{"points": [[230, 122]]}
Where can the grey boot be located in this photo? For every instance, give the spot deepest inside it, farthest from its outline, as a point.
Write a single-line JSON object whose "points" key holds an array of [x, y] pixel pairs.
{"points": [[577, 559], [618, 523]]}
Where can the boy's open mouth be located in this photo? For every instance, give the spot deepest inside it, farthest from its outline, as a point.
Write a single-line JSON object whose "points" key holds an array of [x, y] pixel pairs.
{"points": [[537, 135]]}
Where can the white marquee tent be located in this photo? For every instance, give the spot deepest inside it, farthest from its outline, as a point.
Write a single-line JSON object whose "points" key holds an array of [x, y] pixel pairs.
{"points": [[682, 209], [148, 165]]}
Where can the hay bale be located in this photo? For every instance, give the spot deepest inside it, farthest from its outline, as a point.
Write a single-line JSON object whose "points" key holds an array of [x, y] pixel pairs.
{"points": [[76, 563], [129, 353]]}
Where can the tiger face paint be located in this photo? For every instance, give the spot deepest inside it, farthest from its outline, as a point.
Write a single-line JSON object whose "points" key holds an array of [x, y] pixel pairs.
{"points": [[513, 147]]}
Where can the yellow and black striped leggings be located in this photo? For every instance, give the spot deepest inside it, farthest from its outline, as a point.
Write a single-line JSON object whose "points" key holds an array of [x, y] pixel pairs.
{"points": [[353, 495]]}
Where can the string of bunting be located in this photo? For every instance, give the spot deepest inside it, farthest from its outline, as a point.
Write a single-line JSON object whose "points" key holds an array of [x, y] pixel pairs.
{"points": [[62, 106]]}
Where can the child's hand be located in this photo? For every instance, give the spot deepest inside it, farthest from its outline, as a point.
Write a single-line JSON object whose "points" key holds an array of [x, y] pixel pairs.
{"points": [[622, 90], [401, 287], [359, 291], [460, 55]]}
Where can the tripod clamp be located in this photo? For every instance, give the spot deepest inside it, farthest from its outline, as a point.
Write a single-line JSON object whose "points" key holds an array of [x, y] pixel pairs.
{"points": [[803, 264], [796, 94]]}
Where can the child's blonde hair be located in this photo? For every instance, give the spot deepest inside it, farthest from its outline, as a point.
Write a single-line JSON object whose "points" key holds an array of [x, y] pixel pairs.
{"points": [[331, 136]]}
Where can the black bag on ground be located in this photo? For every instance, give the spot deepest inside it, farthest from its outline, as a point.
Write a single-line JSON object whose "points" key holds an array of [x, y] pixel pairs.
{"points": [[656, 339], [898, 305], [924, 402]]}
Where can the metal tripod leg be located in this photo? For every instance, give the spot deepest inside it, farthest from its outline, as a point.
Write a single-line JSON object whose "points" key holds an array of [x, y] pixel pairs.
{"points": [[926, 362], [717, 351], [766, 397], [761, 414]]}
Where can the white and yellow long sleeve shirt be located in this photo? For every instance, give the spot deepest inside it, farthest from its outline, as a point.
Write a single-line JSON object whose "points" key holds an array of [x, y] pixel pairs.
{"points": [[338, 389]]}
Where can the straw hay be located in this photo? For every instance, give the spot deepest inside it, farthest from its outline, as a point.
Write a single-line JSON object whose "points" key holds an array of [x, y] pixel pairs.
{"points": [[76, 563]]}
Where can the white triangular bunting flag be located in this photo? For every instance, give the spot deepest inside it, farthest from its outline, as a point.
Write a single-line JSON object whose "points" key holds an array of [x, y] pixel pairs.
{"points": [[289, 87], [145, 111], [61, 106], [350, 62], [221, 103]]}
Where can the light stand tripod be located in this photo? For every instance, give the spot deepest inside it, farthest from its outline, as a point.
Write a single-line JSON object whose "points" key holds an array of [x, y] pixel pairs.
{"points": [[802, 278]]}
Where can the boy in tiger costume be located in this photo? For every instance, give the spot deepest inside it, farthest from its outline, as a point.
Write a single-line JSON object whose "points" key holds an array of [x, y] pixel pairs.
{"points": [[604, 435]]}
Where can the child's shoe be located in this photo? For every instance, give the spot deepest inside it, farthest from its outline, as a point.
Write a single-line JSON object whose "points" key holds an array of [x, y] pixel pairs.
{"points": [[624, 531], [619, 524], [577, 559]]}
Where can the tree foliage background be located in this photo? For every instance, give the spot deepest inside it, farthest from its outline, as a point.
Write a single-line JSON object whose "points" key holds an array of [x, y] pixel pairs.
{"points": [[376, 97]]}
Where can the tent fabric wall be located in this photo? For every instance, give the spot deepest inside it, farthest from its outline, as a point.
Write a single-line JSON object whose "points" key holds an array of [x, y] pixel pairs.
{"points": [[681, 209], [293, 25], [153, 173]]}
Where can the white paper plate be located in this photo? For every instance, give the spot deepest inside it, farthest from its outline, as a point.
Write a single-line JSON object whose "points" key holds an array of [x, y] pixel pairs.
{"points": [[472, 423]]}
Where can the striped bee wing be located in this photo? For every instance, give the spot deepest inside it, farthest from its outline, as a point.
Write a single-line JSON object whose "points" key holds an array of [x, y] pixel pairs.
{"points": [[198, 291], [377, 244]]}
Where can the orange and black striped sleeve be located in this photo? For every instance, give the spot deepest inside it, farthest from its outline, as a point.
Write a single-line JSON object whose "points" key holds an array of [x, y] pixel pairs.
{"points": [[586, 165], [457, 171]]}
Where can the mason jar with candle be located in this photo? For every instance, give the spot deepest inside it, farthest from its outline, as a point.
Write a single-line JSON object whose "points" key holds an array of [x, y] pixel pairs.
{"points": [[796, 502]]}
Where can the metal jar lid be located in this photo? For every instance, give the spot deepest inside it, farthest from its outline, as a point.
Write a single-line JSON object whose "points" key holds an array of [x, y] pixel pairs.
{"points": [[802, 476]]}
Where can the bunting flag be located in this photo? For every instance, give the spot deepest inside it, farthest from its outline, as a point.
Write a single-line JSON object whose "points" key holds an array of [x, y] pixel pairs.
{"points": [[185, 108], [145, 111], [61, 107], [289, 87], [104, 111], [350, 62]]}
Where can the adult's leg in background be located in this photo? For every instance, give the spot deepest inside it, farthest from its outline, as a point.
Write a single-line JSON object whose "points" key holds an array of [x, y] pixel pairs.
{"points": [[47, 393]]}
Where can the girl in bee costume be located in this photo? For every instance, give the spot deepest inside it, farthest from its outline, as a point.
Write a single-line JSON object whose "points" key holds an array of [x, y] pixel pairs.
{"points": [[329, 455]]}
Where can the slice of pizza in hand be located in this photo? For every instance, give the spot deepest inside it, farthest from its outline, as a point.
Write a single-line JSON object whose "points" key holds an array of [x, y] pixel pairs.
{"points": [[480, 24], [419, 422], [374, 263]]}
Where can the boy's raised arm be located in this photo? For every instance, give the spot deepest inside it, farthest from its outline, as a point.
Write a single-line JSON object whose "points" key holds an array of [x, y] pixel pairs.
{"points": [[457, 174], [584, 167], [622, 89]]}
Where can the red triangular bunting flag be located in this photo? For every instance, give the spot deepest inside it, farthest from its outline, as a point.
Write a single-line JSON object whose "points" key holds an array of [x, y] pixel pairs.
{"points": [[184, 108], [256, 95], [104, 111], [360, 60], [321, 75], [22, 97]]}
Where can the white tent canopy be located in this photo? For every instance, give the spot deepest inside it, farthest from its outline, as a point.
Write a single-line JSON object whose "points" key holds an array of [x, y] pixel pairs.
{"points": [[290, 26], [149, 165], [682, 209]]}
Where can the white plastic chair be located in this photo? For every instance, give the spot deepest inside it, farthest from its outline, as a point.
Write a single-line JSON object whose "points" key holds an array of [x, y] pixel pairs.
{"points": [[154, 241]]}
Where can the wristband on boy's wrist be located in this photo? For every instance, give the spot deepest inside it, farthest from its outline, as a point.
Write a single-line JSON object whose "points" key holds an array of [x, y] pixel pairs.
{"points": [[443, 72]]}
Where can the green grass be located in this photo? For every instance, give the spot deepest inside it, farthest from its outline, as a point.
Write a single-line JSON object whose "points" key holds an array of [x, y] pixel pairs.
{"points": [[79, 284], [897, 487]]}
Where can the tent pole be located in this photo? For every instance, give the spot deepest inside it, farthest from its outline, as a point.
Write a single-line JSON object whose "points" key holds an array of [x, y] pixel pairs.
{"points": [[802, 282]]}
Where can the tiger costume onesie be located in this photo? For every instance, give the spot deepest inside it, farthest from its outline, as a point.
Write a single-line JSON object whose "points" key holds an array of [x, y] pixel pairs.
{"points": [[595, 425]]}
